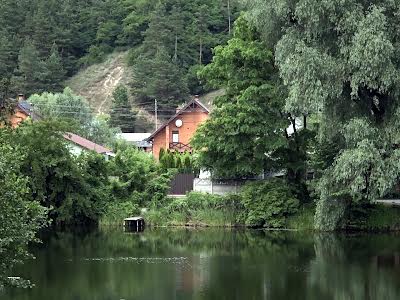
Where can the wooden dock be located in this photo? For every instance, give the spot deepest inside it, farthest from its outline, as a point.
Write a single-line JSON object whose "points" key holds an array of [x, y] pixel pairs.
{"points": [[134, 224]]}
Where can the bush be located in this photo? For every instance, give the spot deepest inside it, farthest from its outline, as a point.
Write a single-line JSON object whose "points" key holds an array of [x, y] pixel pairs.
{"points": [[117, 212], [267, 203], [197, 200]]}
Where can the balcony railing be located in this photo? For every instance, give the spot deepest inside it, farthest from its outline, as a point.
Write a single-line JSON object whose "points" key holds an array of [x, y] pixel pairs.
{"points": [[180, 147]]}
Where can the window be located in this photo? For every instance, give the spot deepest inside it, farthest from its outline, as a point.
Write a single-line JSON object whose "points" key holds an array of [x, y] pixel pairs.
{"points": [[175, 136]]}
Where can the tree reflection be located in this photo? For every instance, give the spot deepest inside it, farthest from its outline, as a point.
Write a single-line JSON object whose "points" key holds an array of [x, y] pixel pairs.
{"points": [[212, 264]]}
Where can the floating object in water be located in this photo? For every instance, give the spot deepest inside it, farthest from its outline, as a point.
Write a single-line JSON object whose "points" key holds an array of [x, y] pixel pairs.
{"points": [[134, 224]]}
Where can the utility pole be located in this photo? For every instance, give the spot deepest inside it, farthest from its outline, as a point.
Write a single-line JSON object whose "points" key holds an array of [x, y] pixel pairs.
{"points": [[176, 49], [156, 112], [229, 16]]}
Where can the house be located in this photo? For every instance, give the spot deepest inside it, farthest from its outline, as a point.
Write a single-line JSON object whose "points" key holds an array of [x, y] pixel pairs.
{"points": [[175, 134], [137, 139], [79, 144], [22, 111]]}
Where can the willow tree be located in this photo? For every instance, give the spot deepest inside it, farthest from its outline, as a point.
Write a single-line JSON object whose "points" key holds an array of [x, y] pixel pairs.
{"points": [[340, 59], [247, 132]]}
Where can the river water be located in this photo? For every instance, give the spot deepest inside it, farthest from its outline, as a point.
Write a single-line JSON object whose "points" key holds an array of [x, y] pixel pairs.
{"points": [[110, 264]]}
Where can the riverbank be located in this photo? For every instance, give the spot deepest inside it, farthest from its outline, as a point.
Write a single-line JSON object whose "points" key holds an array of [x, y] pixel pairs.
{"points": [[376, 218]]}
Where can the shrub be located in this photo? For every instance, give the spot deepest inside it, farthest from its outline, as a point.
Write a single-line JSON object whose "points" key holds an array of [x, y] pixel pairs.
{"points": [[267, 203], [117, 212]]}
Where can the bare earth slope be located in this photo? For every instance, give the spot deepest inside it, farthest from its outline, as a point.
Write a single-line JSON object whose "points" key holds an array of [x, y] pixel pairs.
{"points": [[97, 82]]}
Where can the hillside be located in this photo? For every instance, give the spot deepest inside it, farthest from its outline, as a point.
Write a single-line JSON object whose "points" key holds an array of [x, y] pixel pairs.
{"points": [[97, 82]]}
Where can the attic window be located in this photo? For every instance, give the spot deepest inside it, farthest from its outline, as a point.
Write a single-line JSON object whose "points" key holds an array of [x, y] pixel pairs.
{"points": [[175, 136]]}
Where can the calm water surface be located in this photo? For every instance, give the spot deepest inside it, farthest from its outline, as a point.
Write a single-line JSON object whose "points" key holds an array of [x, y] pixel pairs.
{"points": [[211, 264]]}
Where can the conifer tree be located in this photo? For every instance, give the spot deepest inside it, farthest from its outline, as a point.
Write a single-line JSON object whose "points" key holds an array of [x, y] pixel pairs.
{"points": [[159, 78], [28, 78], [53, 70], [7, 62], [121, 114]]}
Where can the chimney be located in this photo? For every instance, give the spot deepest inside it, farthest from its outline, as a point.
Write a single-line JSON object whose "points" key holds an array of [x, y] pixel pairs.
{"points": [[196, 97], [21, 97]]}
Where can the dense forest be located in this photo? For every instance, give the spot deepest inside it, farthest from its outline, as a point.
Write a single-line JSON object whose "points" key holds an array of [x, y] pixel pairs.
{"points": [[43, 42]]}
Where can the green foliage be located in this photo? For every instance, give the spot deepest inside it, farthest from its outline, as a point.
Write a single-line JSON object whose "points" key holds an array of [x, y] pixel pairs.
{"points": [[268, 203], [121, 114], [196, 209], [65, 105], [376, 217], [159, 78], [158, 187], [20, 218], [179, 35], [75, 110], [74, 188], [43, 41], [183, 162], [116, 212], [303, 219], [329, 214], [139, 178], [247, 122], [339, 60]]}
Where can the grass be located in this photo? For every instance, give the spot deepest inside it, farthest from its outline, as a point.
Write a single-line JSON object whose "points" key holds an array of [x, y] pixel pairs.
{"points": [[197, 217], [303, 220], [383, 218], [117, 212]]}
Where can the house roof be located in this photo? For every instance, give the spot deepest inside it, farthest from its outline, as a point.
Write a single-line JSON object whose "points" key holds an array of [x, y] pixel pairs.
{"points": [[84, 143], [27, 109], [194, 101]]}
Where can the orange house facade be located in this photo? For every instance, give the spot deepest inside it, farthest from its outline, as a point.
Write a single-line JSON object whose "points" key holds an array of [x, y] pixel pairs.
{"points": [[175, 134], [22, 110]]}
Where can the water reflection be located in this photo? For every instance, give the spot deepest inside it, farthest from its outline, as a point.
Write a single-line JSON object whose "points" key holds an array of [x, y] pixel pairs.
{"points": [[212, 264]]}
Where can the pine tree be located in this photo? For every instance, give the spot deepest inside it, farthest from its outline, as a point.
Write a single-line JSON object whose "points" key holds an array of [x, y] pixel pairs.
{"points": [[29, 75], [53, 72], [8, 56], [159, 78], [44, 27], [121, 112]]}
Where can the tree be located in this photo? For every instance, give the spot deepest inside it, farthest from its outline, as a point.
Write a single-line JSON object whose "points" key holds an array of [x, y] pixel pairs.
{"points": [[121, 114], [65, 105], [159, 78], [246, 133], [29, 73], [339, 59], [101, 133], [73, 188], [54, 72], [8, 56], [137, 21], [20, 218]]}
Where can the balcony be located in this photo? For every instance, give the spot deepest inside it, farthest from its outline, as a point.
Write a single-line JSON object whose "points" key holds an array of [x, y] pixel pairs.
{"points": [[180, 147]]}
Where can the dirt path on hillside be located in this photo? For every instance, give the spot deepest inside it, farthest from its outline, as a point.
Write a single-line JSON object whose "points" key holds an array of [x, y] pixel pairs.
{"points": [[110, 83]]}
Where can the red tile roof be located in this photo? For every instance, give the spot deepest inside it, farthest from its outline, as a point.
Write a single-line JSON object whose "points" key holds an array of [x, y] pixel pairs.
{"points": [[84, 143]]}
